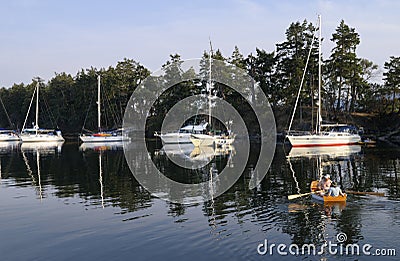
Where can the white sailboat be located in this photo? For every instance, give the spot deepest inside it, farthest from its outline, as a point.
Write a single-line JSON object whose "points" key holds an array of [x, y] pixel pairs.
{"points": [[183, 134], [102, 136], [209, 139], [325, 134], [35, 134], [8, 135]]}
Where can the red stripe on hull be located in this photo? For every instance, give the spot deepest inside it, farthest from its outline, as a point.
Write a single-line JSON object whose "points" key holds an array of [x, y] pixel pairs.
{"points": [[324, 145]]}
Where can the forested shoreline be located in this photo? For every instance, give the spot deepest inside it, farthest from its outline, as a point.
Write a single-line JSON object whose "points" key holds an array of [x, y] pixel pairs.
{"points": [[349, 86]]}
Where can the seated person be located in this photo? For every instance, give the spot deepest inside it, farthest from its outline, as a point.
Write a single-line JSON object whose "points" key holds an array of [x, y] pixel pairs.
{"points": [[324, 184], [334, 190]]}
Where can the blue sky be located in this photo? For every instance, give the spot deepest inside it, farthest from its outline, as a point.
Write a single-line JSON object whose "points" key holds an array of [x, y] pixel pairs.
{"points": [[41, 37]]}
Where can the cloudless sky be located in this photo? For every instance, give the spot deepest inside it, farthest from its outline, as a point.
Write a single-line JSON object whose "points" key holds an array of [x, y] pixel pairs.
{"points": [[42, 37]]}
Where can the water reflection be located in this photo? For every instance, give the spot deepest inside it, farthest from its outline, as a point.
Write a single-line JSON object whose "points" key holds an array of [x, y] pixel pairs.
{"points": [[42, 147], [331, 151], [189, 156], [8, 147], [95, 178], [101, 146]]}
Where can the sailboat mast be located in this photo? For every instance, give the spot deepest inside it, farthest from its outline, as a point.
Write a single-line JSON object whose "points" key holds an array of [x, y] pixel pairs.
{"points": [[210, 89], [98, 103], [37, 107], [319, 120]]}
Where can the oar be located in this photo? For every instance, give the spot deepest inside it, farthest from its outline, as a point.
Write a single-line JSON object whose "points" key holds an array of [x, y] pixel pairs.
{"points": [[380, 194], [290, 197]]}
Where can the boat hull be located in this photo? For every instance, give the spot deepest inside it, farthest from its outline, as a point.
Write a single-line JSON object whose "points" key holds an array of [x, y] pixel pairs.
{"points": [[42, 138], [93, 138], [9, 138], [329, 139], [326, 199], [175, 138]]}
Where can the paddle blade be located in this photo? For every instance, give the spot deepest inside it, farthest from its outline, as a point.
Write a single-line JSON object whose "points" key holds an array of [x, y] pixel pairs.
{"points": [[290, 197]]}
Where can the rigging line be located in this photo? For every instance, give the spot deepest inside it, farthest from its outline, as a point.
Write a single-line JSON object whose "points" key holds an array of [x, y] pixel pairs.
{"points": [[113, 113], [48, 111], [87, 113], [29, 109], [195, 118], [116, 117], [302, 80], [8, 117]]}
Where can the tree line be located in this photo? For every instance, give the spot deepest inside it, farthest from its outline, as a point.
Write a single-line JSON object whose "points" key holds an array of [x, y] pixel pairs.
{"points": [[69, 102]]}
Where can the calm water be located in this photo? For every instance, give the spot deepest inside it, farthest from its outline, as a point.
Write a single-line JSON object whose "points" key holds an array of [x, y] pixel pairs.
{"points": [[65, 202]]}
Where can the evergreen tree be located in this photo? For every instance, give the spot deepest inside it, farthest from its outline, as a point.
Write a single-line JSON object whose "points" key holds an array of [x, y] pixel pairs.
{"points": [[291, 57], [392, 79], [344, 67], [261, 68]]}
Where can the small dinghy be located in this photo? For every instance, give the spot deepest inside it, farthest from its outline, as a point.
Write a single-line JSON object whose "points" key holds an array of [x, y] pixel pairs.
{"points": [[325, 198]]}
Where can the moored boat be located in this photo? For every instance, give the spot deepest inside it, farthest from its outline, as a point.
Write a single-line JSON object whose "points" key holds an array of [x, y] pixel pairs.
{"points": [[36, 134], [101, 135], [212, 138], [325, 199], [9, 136], [183, 134], [324, 134]]}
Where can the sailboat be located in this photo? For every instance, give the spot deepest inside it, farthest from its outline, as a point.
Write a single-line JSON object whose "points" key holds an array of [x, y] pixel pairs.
{"points": [[102, 136], [8, 135], [183, 134], [326, 134], [35, 134], [210, 139]]}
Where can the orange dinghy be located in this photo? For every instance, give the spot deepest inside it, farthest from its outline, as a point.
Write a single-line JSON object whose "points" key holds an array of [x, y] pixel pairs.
{"points": [[325, 198]]}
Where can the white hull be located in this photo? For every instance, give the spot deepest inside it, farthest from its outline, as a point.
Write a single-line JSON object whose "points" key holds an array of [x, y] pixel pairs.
{"points": [[324, 139], [208, 140], [9, 137], [174, 138], [41, 138], [91, 138]]}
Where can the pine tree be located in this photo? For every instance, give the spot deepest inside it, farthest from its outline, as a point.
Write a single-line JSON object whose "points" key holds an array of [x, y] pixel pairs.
{"points": [[392, 78], [344, 67]]}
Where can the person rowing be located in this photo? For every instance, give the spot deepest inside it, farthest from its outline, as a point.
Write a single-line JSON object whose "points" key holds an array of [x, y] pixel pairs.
{"points": [[324, 184]]}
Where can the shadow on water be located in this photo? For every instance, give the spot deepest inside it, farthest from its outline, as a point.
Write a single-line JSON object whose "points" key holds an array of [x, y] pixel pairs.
{"points": [[229, 226]]}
